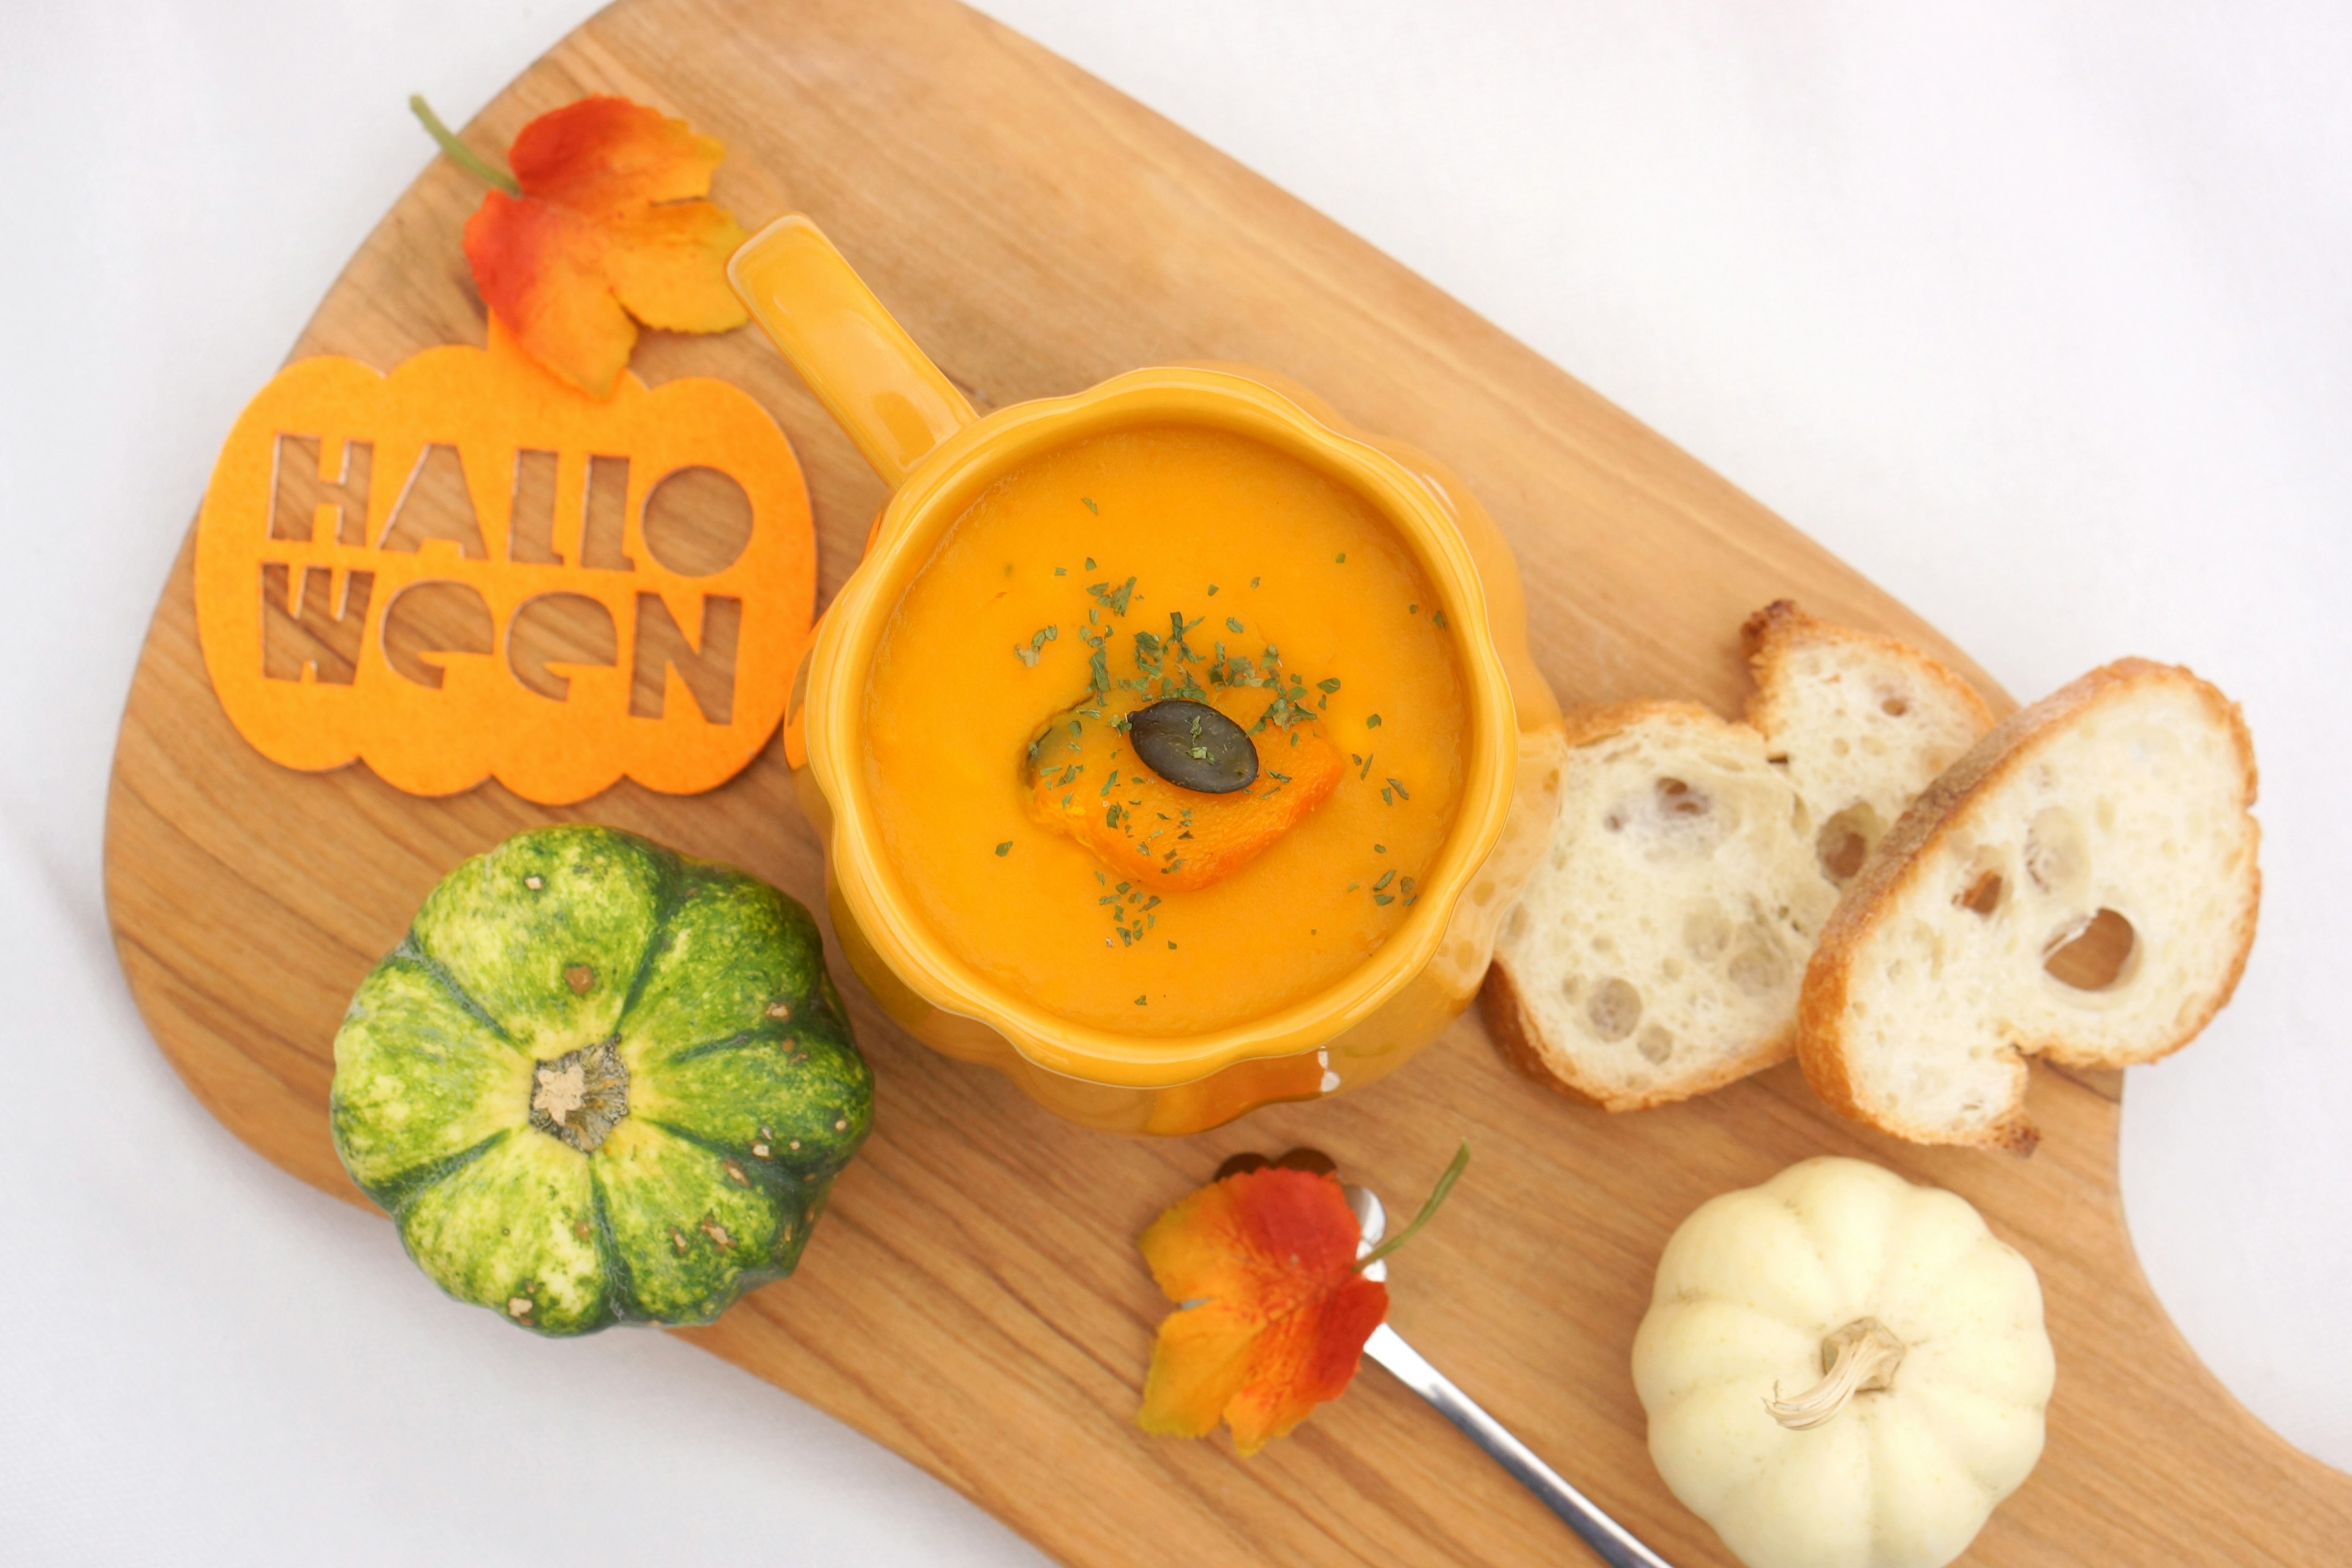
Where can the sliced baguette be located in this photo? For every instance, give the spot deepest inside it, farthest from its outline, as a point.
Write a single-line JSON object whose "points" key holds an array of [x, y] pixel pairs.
{"points": [[2127, 791], [1859, 721], [1657, 951], [1845, 724]]}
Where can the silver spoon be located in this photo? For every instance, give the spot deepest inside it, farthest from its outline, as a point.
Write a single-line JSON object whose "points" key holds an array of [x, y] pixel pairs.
{"points": [[1609, 1540]]}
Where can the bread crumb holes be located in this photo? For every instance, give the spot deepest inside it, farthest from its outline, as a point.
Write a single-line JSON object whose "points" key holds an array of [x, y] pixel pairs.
{"points": [[1615, 1010], [2094, 956]]}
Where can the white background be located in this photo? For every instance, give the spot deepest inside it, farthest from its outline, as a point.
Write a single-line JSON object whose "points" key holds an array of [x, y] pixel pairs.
{"points": [[2035, 313]]}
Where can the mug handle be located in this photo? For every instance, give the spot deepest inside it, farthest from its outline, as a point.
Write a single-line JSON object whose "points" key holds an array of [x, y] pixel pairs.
{"points": [[862, 365]]}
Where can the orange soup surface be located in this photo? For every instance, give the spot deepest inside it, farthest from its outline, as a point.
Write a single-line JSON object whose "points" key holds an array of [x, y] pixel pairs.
{"points": [[1112, 573]]}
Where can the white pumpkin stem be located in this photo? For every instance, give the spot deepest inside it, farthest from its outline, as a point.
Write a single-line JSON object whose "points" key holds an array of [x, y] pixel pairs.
{"points": [[1859, 1358]]}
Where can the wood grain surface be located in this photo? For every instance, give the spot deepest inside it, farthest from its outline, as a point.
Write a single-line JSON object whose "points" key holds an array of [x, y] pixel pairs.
{"points": [[974, 1298]]}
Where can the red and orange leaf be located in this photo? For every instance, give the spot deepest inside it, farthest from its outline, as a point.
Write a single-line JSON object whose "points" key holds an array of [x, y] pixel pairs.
{"points": [[1274, 1315], [606, 154], [612, 225], [540, 269]]}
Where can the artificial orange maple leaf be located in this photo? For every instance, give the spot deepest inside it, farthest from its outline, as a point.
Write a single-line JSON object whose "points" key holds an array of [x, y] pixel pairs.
{"points": [[1274, 1315], [610, 222]]}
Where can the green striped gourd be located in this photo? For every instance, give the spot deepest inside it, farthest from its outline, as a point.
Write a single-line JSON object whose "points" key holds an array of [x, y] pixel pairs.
{"points": [[600, 1083]]}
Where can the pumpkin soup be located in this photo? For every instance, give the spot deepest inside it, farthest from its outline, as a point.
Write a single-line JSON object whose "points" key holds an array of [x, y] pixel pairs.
{"points": [[1164, 732]]}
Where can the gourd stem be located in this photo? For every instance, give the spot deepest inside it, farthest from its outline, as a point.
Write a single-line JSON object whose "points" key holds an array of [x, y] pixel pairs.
{"points": [[465, 157], [1859, 1358]]}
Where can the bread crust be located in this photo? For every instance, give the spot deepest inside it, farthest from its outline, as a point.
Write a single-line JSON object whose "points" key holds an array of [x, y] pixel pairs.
{"points": [[1590, 726], [1767, 637], [1513, 1032], [1885, 881]]}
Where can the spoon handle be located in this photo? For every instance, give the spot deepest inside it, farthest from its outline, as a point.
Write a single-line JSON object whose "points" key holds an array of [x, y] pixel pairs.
{"points": [[1609, 1540]]}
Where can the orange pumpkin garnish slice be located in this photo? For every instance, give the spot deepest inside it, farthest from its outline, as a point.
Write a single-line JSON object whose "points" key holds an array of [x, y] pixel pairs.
{"points": [[1087, 782]]}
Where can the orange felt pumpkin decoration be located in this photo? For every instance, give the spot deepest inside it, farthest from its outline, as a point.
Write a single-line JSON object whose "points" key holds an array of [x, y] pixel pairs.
{"points": [[467, 569]]}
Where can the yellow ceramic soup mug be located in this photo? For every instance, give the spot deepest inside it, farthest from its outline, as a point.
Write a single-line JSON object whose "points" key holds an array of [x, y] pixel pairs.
{"points": [[1176, 746]]}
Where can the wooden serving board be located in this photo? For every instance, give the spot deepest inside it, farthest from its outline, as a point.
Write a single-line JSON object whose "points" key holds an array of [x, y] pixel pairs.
{"points": [[974, 1298]]}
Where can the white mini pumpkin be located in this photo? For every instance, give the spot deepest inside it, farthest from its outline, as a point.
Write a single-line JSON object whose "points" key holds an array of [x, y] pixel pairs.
{"points": [[1842, 1370]]}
